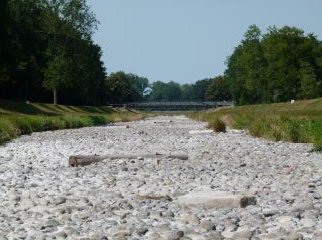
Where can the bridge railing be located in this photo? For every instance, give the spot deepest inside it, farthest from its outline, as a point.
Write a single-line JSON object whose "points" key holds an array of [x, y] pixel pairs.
{"points": [[163, 106]]}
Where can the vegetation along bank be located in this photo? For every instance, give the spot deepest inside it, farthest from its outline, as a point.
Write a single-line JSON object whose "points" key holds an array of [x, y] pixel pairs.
{"points": [[298, 122], [23, 118]]}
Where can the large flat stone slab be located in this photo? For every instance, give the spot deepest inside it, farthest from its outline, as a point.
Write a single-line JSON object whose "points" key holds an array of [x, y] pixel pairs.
{"points": [[214, 199]]}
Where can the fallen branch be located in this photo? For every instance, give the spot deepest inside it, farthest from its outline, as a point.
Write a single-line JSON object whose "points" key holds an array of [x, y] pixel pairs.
{"points": [[151, 197], [83, 160], [200, 131]]}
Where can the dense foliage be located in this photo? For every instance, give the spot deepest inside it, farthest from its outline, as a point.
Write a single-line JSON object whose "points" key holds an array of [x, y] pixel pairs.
{"points": [[212, 89], [47, 55], [122, 87], [281, 65], [47, 48]]}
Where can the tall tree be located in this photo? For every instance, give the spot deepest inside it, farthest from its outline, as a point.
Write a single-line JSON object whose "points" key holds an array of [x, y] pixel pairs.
{"points": [[187, 92], [138, 83], [309, 86], [280, 65], [245, 72], [63, 21], [200, 88], [120, 88], [218, 90]]}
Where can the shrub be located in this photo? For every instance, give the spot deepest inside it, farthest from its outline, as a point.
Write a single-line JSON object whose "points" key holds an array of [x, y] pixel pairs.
{"points": [[316, 131], [218, 125], [7, 131], [293, 130], [260, 127]]}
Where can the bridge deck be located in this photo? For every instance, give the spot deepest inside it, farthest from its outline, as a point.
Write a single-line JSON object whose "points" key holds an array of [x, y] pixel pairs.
{"points": [[174, 106]]}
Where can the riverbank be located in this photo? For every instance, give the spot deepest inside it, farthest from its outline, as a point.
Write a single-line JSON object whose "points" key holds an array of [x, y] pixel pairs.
{"points": [[19, 118], [298, 122]]}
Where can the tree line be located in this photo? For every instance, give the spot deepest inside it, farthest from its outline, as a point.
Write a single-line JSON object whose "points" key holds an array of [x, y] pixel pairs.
{"points": [[209, 89], [47, 54], [280, 65]]}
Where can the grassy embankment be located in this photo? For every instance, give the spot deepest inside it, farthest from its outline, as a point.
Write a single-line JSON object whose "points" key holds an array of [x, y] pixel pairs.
{"points": [[298, 122], [17, 118]]}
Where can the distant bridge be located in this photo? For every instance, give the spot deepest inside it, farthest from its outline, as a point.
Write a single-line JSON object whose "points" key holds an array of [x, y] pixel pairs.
{"points": [[174, 106]]}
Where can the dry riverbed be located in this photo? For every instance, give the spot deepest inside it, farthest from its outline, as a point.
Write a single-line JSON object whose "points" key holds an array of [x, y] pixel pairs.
{"points": [[200, 198]]}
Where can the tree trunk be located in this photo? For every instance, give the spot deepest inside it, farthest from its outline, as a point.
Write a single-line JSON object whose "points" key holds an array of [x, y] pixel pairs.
{"points": [[83, 160], [55, 96]]}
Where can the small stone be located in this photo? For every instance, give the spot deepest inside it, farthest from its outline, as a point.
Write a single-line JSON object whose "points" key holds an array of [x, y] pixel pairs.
{"points": [[122, 234], [269, 212], [143, 214], [242, 235], [318, 234], [307, 222], [214, 236], [142, 231], [269, 236], [153, 236], [50, 223], [294, 236], [71, 231], [192, 219], [207, 226], [227, 234], [173, 235], [168, 214], [59, 200]]}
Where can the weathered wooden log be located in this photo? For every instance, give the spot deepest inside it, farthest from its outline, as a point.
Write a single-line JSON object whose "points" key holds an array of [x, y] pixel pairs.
{"points": [[83, 160], [163, 121], [200, 131]]}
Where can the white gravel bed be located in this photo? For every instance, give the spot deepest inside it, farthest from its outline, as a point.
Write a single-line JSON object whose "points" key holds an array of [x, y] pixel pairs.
{"points": [[42, 198]]}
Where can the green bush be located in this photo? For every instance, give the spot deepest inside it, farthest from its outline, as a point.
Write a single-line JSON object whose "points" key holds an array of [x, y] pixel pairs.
{"points": [[7, 131], [218, 125], [293, 130], [316, 131]]}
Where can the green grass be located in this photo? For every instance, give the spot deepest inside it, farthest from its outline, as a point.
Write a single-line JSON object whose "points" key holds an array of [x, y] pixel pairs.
{"points": [[18, 118], [299, 122]]}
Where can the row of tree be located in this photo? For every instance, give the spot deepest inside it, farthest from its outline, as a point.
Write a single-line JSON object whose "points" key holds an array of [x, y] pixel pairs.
{"points": [[210, 89], [280, 65], [46, 50], [47, 54], [126, 87]]}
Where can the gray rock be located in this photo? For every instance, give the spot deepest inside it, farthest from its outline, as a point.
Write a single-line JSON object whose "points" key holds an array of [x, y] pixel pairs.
{"points": [[206, 226], [294, 236], [214, 236], [172, 235], [269, 212], [214, 199], [242, 235], [142, 231]]}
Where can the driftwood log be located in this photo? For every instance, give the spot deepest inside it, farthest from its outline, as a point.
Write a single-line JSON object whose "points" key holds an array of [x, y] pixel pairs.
{"points": [[83, 160]]}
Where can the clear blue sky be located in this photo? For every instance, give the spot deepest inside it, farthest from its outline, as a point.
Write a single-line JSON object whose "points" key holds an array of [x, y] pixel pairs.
{"points": [[188, 40]]}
